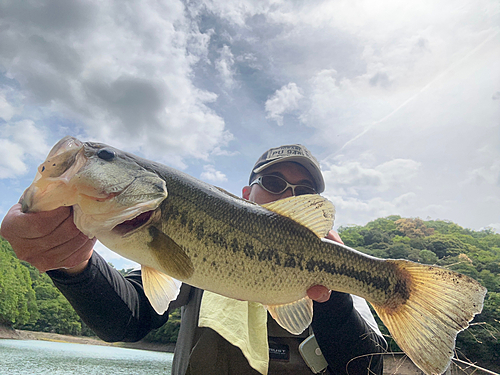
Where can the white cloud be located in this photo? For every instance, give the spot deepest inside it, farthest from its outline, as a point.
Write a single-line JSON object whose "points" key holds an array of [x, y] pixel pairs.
{"points": [[360, 64], [487, 174], [398, 171], [20, 142], [6, 109], [494, 226], [283, 101], [342, 106], [213, 175], [220, 152], [30, 138], [352, 210], [11, 159], [123, 73], [362, 192], [353, 177], [486, 169], [225, 66]]}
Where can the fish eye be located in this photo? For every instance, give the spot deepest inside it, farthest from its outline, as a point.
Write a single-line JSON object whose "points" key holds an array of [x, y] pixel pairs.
{"points": [[105, 154]]}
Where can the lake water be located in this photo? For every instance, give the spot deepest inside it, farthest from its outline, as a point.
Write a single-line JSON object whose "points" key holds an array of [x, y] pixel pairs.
{"points": [[20, 357]]}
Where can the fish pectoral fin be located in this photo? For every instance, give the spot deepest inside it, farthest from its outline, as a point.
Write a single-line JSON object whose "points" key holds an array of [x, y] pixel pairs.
{"points": [[295, 317], [159, 288], [312, 211], [172, 258]]}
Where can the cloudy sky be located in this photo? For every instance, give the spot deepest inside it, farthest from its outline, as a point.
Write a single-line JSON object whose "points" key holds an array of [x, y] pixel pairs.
{"points": [[399, 101]]}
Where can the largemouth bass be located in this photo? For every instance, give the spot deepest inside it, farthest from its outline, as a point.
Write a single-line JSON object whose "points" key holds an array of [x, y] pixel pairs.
{"points": [[179, 228]]}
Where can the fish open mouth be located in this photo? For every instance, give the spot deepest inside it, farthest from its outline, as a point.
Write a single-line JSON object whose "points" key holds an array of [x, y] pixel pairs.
{"points": [[130, 225]]}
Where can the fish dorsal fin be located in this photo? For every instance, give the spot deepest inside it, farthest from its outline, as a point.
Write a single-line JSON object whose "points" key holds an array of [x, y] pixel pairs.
{"points": [[159, 288], [228, 193], [295, 317], [311, 210], [172, 258]]}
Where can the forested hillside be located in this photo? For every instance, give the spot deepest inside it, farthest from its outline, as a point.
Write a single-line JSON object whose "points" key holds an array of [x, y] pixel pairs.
{"points": [[28, 300], [474, 253]]}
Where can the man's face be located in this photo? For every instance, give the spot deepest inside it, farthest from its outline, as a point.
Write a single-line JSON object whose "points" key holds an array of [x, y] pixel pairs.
{"points": [[292, 172]]}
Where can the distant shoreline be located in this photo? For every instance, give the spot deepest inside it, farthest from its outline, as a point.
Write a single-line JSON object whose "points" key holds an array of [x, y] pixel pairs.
{"points": [[16, 334]]}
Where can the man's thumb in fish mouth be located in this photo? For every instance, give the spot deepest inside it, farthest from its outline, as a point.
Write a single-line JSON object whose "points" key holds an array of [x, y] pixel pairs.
{"points": [[47, 240], [32, 226], [319, 293]]}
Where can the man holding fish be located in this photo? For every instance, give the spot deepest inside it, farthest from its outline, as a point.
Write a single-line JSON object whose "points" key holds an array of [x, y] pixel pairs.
{"points": [[218, 335]]}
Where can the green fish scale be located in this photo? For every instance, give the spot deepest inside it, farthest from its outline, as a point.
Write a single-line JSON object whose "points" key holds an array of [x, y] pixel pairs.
{"points": [[263, 256]]}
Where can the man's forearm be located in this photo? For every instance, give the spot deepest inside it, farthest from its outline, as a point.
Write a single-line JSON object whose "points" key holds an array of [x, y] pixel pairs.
{"points": [[114, 307], [345, 339]]}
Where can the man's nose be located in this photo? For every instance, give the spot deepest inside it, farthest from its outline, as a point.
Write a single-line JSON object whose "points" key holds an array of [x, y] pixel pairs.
{"points": [[288, 193]]}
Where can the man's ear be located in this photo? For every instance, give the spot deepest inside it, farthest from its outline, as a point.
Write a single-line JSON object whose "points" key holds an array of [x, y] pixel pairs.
{"points": [[245, 192]]}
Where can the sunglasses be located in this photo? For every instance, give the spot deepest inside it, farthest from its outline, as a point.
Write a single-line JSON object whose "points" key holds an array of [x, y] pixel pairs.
{"points": [[277, 185]]}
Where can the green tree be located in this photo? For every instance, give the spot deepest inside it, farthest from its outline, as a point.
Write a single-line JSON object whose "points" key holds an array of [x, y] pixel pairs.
{"points": [[413, 228], [351, 236], [386, 225], [17, 298], [490, 280], [445, 227], [56, 313], [427, 257], [445, 245], [375, 236], [168, 332], [398, 250], [491, 310], [489, 239], [402, 239], [481, 341]]}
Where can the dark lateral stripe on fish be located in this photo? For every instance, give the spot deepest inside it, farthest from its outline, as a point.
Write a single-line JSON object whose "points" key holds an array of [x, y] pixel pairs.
{"points": [[345, 270], [290, 260]]}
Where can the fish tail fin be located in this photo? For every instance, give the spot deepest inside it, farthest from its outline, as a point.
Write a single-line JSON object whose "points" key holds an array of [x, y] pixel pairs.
{"points": [[439, 305]]}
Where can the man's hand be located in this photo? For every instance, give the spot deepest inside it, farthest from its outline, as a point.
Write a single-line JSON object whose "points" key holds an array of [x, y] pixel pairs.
{"points": [[319, 293], [47, 240], [334, 236]]}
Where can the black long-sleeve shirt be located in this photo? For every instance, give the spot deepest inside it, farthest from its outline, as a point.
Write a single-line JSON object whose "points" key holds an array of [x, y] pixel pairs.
{"points": [[116, 309]]}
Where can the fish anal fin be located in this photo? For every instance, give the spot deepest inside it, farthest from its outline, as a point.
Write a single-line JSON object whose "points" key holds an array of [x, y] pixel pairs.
{"points": [[440, 304], [159, 288], [312, 211], [172, 258], [295, 317]]}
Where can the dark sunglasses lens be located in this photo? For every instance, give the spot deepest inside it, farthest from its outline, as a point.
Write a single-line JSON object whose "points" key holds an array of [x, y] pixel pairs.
{"points": [[273, 184], [302, 190]]}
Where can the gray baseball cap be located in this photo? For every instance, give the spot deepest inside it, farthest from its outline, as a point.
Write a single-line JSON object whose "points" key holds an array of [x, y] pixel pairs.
{"points": [[294, 153]]}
